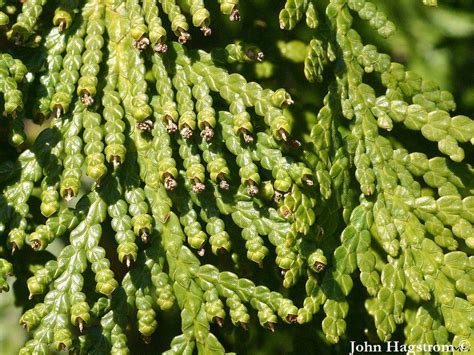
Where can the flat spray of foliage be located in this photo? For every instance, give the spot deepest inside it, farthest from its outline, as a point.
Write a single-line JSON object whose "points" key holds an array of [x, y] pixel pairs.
{"points": [[162, 151]]}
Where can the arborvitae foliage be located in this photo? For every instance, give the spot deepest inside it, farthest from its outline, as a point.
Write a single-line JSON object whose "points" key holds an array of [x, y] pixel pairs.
{"points": [[163, 176]]}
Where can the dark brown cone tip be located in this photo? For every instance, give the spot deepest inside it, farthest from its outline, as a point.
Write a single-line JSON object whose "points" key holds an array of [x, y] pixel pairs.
{"points": [[286, 213], [246, 135], [128, 261], [68, 194], [98, 182], [270, 326], [86, 99], [171, 127], [243, 325], [17, 38], [292, 318], [145, 126], [142, 43], [198, 186], [294, 143], [62, 25], [235, 15], [319, 266], [219, 321], [170, 183], [223, 183], [252, 188], [160, 48], [186, 132], [58, 110], [254, 55], [116, 161], [14, 247], [277, 195], [248, 138], [81, 325], [283, 134], [35, 244], [146, 339], [207, 133], [206, 31], [144, 235], [288, 102], [62, 346], [184, 37], [307, 180]]}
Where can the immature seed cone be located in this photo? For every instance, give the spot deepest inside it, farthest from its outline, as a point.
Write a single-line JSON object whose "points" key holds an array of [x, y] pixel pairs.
{"points": [[317, 261]]}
